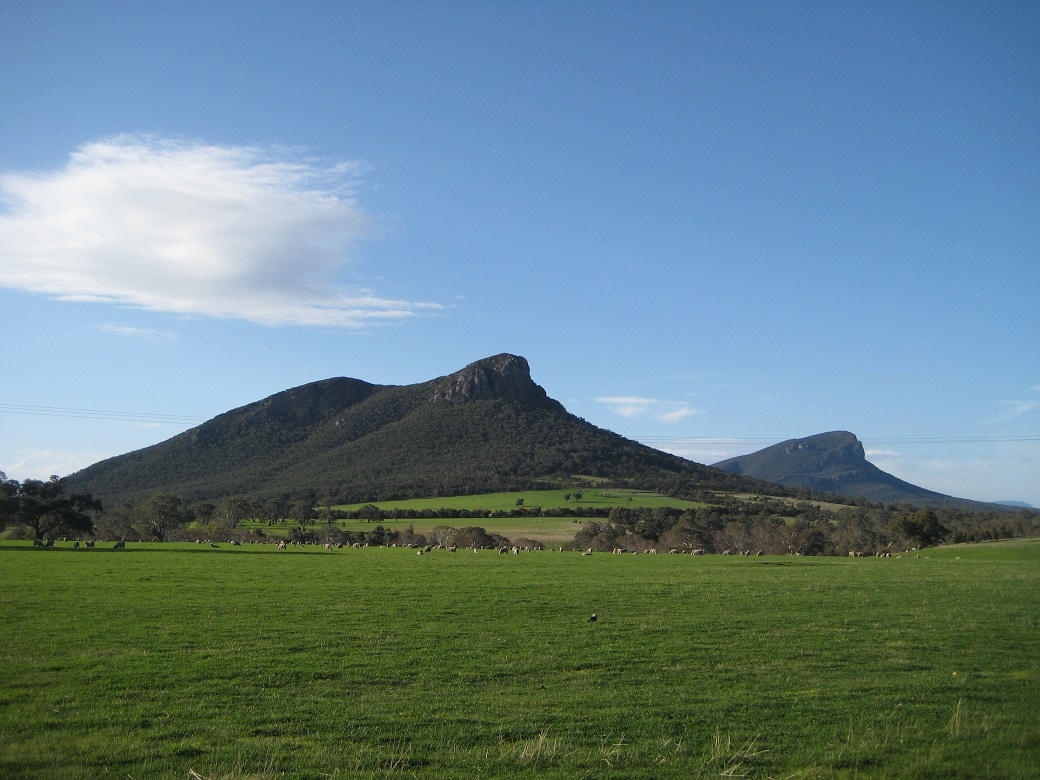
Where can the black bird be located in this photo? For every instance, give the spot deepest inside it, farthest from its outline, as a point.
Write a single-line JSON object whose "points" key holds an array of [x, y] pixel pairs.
{"points": [[593, 618]]}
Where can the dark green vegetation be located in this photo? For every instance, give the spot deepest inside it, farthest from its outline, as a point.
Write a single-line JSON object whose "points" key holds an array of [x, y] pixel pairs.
{"points": [[165, 660], [44, 509], [486, 428], [835, 463]]}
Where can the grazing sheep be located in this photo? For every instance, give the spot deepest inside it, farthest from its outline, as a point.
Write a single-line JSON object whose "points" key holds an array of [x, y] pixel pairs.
{"points": [[89, 543], [328, 547], [281, 545], [120, 545]]}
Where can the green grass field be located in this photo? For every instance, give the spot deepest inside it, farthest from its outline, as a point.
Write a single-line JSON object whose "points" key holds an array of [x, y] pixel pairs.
{"points": [[550, 531], [183, 661], [549, 499]]}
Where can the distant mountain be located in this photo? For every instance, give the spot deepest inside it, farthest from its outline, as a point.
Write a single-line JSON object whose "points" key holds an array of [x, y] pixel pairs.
{"points": [[1016, 504], [835, 463], [485, 428]]}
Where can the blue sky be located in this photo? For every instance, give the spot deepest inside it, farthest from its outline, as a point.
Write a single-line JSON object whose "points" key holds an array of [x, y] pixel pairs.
{"points": [[708, 226]]}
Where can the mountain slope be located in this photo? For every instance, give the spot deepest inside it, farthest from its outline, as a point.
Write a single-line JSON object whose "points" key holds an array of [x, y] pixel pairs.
{"points": [[835, 463], [487, 427]]}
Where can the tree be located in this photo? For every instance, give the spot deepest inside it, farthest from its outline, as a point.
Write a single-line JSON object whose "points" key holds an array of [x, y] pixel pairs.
{"points": [[273, 510], [922, 528], [8, 502], [44, 507], [161, 513], [303, 512], [231, 511]]}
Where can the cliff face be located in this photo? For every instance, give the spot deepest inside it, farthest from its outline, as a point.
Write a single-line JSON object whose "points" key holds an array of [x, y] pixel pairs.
{"points": [[502, 377]]}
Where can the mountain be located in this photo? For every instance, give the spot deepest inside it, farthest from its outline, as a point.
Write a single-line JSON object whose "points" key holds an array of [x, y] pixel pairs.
{"points": [[835, 463], [485, 428]]}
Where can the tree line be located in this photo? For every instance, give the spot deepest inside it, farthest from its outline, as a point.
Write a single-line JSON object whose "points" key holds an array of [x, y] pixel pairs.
{"points": [[777, 528], [41, 509]]}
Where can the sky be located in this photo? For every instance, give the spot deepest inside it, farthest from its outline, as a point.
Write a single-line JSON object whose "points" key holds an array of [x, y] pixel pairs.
{"points": [[708, 226]]}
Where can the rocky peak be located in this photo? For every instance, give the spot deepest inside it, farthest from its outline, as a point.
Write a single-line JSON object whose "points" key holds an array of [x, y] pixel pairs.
{"points": [[502, 377], [827, 449]]}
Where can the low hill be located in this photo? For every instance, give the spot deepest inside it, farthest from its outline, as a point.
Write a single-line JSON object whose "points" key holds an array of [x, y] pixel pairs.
{"points": [[485, 428], [836, 463]]}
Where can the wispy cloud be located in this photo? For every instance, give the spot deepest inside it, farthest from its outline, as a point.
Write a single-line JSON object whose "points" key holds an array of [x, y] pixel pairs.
{"points": [[1012, 410], [254, 233], [145, 334], [634, 406]]}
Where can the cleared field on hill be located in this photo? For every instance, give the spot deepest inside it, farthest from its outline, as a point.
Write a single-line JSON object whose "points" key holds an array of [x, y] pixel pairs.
{"points": [[591, 498], [551, 531], [163, 660]]}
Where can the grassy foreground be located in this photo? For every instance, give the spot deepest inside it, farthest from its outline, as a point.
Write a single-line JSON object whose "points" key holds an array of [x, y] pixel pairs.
{"points": [[181, 661]]}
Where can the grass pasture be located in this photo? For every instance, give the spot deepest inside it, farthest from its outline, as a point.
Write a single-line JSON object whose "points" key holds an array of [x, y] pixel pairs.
{"points": [[548, 530], [179, 660], [591, 498]]}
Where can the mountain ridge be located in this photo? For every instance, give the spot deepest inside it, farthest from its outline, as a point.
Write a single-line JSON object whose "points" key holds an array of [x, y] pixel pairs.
{"points": [[484, 428], [835, 462]]}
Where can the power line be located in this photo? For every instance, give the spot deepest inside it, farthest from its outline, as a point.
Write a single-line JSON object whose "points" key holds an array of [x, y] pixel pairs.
{"points": [[183, 419], [101, 414], [871, 439]]}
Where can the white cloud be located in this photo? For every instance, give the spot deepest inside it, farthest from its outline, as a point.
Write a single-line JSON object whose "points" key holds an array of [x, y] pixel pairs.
{"points": [[879, 453], [42, 464], [627, 406], [251, 233], [632, 406], [679, 413], [705, 451], [146, 334]]}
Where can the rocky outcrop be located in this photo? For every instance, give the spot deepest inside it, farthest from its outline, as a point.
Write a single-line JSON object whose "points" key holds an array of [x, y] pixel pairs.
{"points": [[502, 377]]}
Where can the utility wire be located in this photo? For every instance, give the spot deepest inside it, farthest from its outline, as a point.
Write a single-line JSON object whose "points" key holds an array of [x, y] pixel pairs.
{"points": [[871, 439], [182, 419], [101, 414]]}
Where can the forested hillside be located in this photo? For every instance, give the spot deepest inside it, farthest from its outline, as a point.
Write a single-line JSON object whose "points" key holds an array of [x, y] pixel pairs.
{"points": [[486, 428]]}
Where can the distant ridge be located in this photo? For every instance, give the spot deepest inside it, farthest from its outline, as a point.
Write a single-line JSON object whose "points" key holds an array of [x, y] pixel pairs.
{"points": [[835, 462], [485, 428]]}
